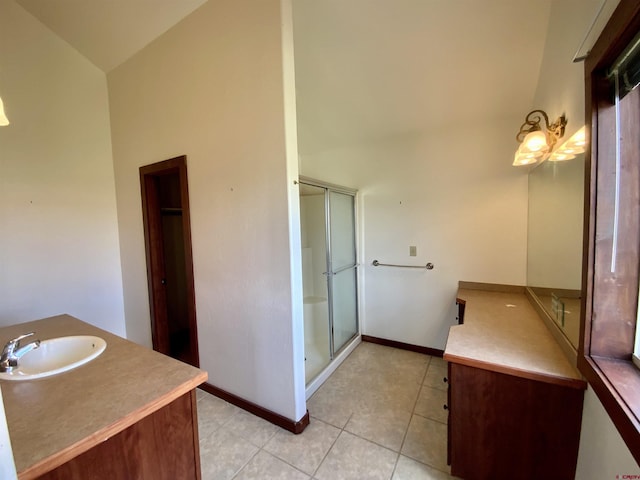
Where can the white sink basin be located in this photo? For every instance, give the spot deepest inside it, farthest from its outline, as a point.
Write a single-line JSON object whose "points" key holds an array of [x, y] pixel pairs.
{"points": [[55, 356]]}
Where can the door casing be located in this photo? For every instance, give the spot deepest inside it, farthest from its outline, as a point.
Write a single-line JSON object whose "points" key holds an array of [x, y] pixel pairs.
{"points": [[154, 248]]}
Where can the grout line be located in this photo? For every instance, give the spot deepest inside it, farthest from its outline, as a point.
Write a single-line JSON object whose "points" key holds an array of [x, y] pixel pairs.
{"points": [[245, 464], [311, 476], [395, 466], [342, 429], [332, 444], [286, 463], [406, 432]]}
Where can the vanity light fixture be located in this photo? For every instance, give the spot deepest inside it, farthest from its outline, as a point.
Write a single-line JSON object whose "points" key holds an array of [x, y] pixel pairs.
{"points": [[572, 147], [536, 140], [4, 121]]}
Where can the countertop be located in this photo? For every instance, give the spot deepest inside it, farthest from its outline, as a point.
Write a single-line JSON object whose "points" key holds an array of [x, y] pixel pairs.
{"points": [[503, 333], [52, 420]]}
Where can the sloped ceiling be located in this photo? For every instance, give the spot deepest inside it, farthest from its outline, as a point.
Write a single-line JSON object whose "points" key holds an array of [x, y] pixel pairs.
{"points": [[370, 69], [365, 69], [107, 32]]}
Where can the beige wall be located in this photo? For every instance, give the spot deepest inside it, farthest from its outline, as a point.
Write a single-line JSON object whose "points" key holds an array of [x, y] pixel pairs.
{"points": [[212, 88], [458, 201], [59, 249], [602, 453], [425, 131]]}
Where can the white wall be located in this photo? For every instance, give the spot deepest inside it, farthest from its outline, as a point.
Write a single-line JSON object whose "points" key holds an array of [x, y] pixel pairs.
{"points": [[451, 193], [59, 249], [212, 88], [603, 453]]}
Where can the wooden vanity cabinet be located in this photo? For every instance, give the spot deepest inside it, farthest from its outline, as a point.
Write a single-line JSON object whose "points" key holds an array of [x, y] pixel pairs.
{"points": [[508, 427], [130, 413], [160, 446]]}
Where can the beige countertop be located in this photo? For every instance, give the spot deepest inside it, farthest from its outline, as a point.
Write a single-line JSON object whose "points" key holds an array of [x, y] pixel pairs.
{"points": [[503, 333], [52, 420]]}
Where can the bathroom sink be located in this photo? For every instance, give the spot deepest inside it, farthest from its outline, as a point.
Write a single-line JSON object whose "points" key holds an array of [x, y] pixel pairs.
{"points": [[55, 356]]}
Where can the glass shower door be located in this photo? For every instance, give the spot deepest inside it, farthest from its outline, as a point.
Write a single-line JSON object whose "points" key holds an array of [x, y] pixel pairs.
{"points": [[313, 225], [329, 271], [343, 269]]}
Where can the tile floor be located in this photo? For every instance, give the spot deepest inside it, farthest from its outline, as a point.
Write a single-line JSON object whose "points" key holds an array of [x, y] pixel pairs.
{"points": [[379, 416]]}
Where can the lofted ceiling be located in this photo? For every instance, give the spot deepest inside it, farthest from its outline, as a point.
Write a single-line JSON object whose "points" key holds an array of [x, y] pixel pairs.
{"points": [[365, 69], [371, 69], [107, 32]]}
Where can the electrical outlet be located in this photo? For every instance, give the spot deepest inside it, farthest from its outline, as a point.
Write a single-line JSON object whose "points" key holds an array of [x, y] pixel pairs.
{"points": [[413, 251]]}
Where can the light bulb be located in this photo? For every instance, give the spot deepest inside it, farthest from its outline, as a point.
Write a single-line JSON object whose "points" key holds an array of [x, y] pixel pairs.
{"points": [[535, 141]]}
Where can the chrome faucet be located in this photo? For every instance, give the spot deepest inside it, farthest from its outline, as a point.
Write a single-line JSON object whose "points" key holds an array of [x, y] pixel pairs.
{"points": [[12, 352]]}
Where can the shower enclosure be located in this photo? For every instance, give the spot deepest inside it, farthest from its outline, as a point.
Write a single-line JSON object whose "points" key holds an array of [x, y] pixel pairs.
{"points": [[329, 272]]}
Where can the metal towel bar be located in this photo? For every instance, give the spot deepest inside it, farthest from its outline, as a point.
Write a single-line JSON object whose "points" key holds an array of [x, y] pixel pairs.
{"points": [[428, 266]]}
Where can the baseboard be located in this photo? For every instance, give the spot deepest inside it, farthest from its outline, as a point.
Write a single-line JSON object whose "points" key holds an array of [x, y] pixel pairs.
{"points": [[268, 415], [434, 352]]}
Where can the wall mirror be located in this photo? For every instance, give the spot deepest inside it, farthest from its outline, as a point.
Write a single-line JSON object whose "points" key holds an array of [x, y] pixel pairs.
{"points": [[554, 249]]}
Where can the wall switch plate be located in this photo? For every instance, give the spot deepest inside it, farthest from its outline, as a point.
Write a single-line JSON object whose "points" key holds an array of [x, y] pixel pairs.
{"points": [[413, 251]]}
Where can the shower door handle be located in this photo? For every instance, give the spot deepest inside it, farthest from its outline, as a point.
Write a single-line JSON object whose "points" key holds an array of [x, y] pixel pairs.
{"points": [[343, 269]]}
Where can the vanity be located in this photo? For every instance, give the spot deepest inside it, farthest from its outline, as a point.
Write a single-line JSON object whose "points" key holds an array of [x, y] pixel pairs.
{"points": [[514, 399], [128, 413], [515, 396]]}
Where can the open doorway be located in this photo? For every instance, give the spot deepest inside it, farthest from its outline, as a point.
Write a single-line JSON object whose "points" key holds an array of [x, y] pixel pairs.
{"points": [[167, 232]]}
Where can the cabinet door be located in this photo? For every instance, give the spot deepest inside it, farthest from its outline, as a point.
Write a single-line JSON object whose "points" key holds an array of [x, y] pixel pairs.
{"points": [[507, 427]]}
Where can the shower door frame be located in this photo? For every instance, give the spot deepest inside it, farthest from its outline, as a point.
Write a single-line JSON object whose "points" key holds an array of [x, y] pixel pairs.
{"points": [[329, 264]]}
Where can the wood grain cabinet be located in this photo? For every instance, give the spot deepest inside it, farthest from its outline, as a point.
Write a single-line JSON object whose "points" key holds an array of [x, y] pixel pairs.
{"points": [[161, 446], [507, 427], [514, 400], [130, 413]]}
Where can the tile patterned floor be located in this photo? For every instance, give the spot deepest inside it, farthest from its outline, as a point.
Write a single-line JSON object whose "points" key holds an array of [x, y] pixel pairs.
{"points": [[379, 416]]}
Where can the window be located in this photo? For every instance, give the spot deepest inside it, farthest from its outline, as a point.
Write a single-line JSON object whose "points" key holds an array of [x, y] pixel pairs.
{"points": [[611, 273]]}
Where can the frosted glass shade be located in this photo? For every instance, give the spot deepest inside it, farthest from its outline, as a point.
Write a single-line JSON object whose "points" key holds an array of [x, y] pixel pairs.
{"points": [[4, 121], [579, 138], [572, 147], [526, 157]]}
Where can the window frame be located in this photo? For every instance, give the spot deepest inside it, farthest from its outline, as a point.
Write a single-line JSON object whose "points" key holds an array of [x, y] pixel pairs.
{"points": [[603, 356]]}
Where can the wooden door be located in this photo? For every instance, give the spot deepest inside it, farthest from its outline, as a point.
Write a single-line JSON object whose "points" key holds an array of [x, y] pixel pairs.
{"points": [[166, 217]]}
